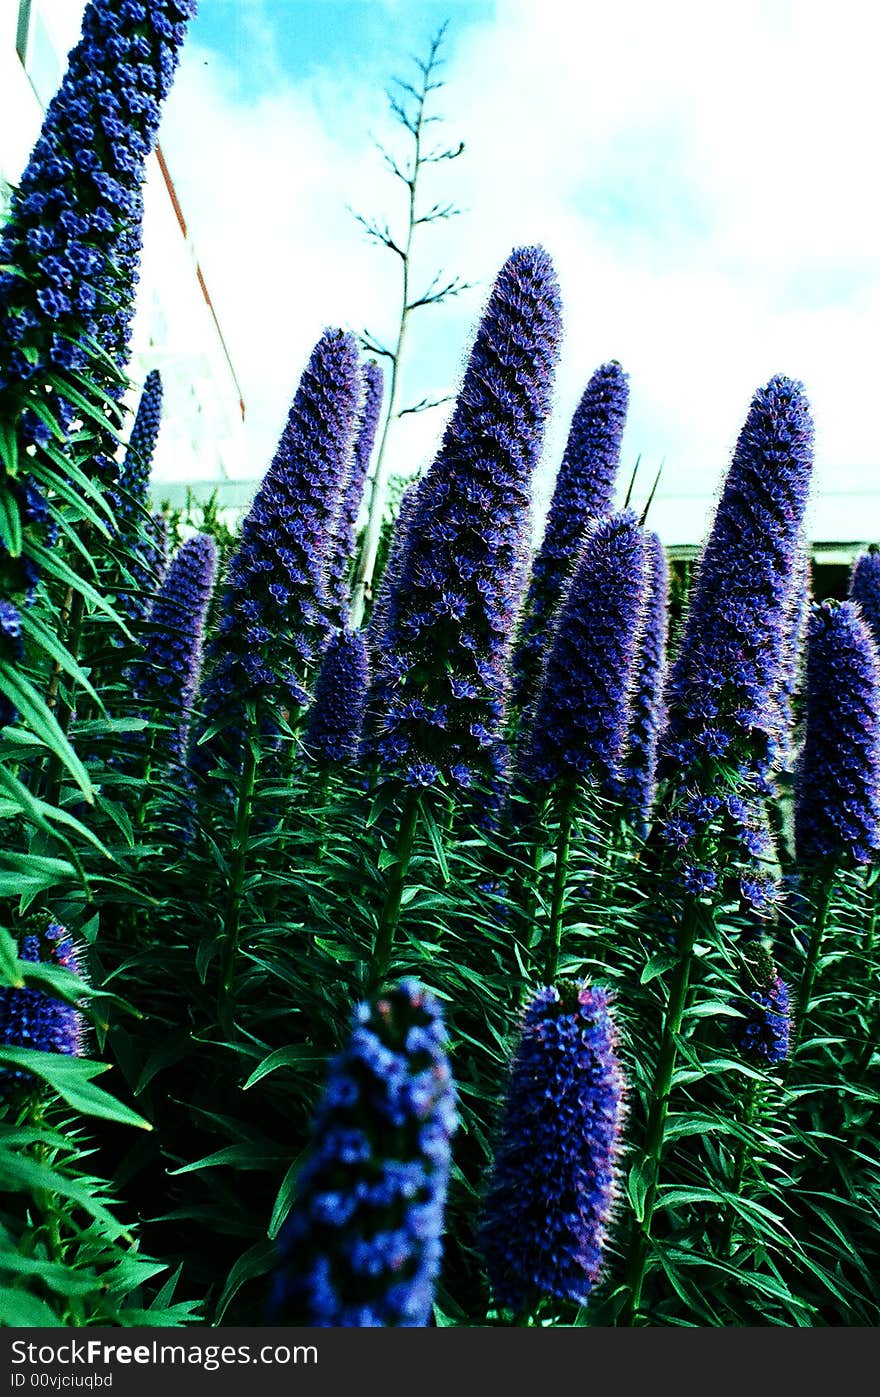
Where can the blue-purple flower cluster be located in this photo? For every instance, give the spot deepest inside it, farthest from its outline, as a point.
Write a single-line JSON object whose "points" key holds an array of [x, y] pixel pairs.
{"points": [[865, 589], [647, 712], [578, 726], [762, 1035], [837, 782], [342, 552], [31, 1018], [274, 608], [362, 1246], [336, 717], [724, 720], [584, 492], [460, 580], [69, 255], [73, 236], [140, 536], [553, 1185], [165, 680]]}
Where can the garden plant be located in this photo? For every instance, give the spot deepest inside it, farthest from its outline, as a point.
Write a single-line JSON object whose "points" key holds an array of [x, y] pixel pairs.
{"points": [[505, 957]]}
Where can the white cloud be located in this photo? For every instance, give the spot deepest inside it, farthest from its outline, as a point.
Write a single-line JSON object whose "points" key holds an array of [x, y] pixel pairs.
{"points": [[701, 174]]}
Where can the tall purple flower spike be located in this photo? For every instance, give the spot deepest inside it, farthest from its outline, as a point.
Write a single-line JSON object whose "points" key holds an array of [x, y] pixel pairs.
{"points": [[345, 537], [865, 589], [459, 587], [32, 1018], [165, 680], [70, 249], [146, 555], [274, 607], [362, 1246], [336, 717], [554, 1181], [763, 1034], [837, 788], [578, 726], [584, 492], [647, 713], [723, 714]]}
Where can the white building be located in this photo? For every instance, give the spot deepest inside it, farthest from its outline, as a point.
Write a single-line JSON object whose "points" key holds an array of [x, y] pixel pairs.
{"points": [[176, 329]]}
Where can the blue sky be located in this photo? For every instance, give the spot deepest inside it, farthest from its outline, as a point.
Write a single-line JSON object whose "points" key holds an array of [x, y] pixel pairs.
{"points": [[700, 174]]}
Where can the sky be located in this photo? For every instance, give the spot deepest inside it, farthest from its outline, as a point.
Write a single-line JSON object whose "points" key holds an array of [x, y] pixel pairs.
{"points": [[703, 176]]}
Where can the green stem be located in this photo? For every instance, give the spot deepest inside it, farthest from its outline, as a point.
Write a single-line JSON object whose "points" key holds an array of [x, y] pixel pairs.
{"points": [[750, 1106], [366, 563], [390, 914], [871, 1016], [55, 769], [661, 1089], [811, 967], [232, 919], [560, 878]]}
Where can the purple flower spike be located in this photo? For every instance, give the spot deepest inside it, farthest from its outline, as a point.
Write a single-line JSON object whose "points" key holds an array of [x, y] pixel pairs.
{"points": [[762, 1036], [31, 1018], [553, 1185], [578, 726], [724, 718], [362, 1246], [837, 790], [75, 222], [69, 254], [647, 714], [459, 587], [584, 492], [344, 539], [167, 677], [134, 478], [146, 555], [337, 713], [865, 589], [274, 609]]}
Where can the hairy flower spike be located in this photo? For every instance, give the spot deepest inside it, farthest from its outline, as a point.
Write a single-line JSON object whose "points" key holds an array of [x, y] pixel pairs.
{"points": [[459, 587], [584, 492], [723, 713], [647, 713], [763, 1034], [553, 1184], [74, 224], [336, 717], [837, 788], [31, 1018], [141, 536], [362, 1246], [274, 607], [69, 255], [578, 727], [165, 680], [344, 539], [865, 589]]}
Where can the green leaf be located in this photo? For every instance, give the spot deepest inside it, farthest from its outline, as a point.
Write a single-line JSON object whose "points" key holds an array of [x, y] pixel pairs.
{"points": [[21, 1310], [283, 1057], [284, 1199], [659, 963], [637, 1186], [10, 972], [10, 523], [42, 721], [257, 1261], [30, 874], [54, 566], [71, 1077]]}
